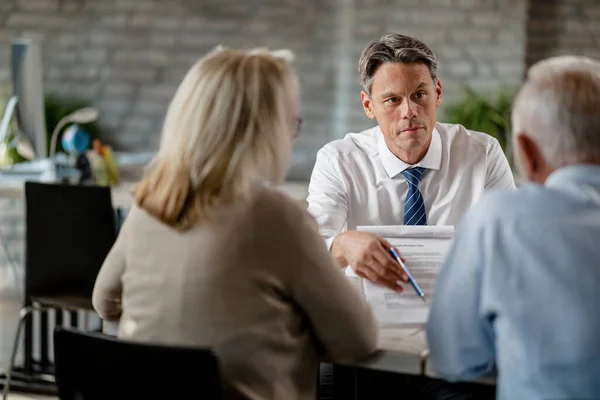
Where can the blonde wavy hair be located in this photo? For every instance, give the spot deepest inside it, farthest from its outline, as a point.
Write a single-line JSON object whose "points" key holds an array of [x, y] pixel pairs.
{"points": [[227, 130]]}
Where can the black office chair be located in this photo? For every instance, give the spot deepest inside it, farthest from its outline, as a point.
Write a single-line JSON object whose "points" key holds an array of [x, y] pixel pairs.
{"points": [[94, 366], [69, 232]]}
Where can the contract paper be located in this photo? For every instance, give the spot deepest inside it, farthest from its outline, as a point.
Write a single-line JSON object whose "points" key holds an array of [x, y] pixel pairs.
{"points": [[424, 248]]}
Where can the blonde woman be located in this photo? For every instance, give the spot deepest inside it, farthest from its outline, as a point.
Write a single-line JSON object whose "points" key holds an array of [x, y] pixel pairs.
{"points": [[213, 255]]}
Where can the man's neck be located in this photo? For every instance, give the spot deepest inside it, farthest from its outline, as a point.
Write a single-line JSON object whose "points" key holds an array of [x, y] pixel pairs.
{"points": [[411, 156]]}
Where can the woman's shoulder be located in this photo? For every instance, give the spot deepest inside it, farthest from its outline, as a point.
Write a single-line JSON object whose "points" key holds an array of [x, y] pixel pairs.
{"points": [[270, 193], [137, 219], [136, 215], [281, 208], [280, 221], [270, 197]]}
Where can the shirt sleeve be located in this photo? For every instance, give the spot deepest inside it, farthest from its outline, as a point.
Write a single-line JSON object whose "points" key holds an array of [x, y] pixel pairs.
{"points": [[498, 174], [328, 198], [460, 335]]}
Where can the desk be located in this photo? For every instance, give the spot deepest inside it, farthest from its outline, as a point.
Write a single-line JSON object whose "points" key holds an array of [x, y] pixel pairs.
{"points": [[14, 189], [400, 350], [131, 167], [405, 351]]}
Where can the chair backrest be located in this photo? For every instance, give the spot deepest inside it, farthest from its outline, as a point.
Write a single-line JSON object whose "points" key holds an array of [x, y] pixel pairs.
{"points": [[69, 231], [93, 366]]}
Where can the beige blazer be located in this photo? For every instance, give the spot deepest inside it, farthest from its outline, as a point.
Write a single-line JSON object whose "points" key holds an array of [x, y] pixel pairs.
{"points": [[257, 284]]}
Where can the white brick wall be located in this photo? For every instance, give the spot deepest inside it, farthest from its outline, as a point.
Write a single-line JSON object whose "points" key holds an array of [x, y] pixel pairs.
{"points": [[559, 27], [127, 56]]}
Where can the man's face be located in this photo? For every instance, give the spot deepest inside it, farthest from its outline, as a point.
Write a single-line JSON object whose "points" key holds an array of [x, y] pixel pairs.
{"points": [[404, 100]]}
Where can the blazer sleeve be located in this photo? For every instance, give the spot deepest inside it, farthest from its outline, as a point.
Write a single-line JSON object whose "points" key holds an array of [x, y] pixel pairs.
{"points": [[341, 318], [108, 289]]}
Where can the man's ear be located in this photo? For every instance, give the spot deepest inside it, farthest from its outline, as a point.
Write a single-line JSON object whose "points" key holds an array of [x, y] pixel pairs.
{"points": [[438, 93], [532, 160], [367, 104], [527, 150]]}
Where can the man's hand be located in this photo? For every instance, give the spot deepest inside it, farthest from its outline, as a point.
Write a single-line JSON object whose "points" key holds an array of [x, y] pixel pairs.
{"points": [[368, 256]]}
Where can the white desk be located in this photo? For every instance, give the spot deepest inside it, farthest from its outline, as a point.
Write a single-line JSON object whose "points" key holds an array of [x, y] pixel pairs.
{"points": [[405, 351], [131, 166], [15, 190], [401, 350], [121, 197]]}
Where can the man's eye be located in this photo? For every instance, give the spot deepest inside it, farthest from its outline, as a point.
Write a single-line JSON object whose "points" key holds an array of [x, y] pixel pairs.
{"points": [[392, 100], [420, 94]]}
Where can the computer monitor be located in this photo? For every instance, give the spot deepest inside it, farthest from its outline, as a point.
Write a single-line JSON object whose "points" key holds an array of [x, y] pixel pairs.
{"points": [[28, 86]]}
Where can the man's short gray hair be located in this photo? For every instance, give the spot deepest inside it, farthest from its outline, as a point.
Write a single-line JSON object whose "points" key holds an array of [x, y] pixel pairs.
{"points": [[394, 48], [559, 63], [559, 105]]}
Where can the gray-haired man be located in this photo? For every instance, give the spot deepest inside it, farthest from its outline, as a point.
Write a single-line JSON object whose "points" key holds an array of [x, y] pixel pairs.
{"points": [[519, 289], [409, 169]]}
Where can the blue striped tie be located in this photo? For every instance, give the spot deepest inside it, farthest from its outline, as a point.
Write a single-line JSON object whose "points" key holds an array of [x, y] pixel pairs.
{"points": [[414, 208]]}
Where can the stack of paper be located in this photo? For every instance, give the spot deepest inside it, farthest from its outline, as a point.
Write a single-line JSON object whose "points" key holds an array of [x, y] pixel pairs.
{"points": [[424, 249]]}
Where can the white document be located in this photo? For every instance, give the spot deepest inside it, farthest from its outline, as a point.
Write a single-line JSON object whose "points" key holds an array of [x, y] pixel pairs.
{"points": [[424, 248]]}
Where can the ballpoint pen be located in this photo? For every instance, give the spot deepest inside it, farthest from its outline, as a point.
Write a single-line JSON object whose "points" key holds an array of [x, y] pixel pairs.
{"points": [[412, 280]]}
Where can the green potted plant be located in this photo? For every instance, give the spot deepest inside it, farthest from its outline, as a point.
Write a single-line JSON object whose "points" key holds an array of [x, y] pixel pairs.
{"points": [[8, 148], [487, 114]]}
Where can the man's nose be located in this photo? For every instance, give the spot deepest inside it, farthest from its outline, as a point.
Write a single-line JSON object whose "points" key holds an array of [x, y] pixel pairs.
{"points": [[407, 110]]}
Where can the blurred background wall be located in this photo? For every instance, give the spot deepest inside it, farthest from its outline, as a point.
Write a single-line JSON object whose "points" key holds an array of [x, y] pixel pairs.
{"points": [[126, 57]]}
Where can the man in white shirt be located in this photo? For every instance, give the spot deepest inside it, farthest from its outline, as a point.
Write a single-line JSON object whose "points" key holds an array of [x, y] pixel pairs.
{"points": [[408, 170]]}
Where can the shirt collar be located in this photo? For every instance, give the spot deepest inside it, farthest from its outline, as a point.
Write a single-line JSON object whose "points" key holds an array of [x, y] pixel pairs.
{"points": [[393, 165], [574, 174]]}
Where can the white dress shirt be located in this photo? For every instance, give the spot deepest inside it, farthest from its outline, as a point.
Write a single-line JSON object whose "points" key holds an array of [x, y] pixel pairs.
{"points": [[357, 180]]}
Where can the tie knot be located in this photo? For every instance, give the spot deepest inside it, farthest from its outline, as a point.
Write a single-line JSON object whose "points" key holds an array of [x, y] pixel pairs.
{"points": [[413, 175]]}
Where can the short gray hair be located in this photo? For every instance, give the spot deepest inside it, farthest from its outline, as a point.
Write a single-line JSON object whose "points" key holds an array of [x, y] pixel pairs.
{"points": [[558, 63], [394, 48], [559, 106]]}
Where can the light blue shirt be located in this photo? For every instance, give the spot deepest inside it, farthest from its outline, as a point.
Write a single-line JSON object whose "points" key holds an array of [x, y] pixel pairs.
{"points": [[520, 291]]}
